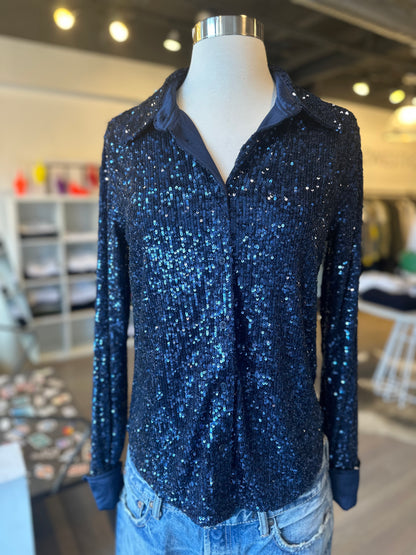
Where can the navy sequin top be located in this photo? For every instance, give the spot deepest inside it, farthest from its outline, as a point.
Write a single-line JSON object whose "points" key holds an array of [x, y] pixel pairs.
{"points": [[223, 283]]}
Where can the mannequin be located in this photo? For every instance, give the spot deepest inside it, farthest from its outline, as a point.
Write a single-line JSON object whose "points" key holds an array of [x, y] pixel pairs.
{"points": [[228, 444], [228, 76]]}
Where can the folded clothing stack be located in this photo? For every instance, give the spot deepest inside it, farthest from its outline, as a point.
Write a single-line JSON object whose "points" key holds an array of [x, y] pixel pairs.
{"points": [[43, 268], [45, 300], [38, 229], [79, 263], [396, 291], [82, 295]]}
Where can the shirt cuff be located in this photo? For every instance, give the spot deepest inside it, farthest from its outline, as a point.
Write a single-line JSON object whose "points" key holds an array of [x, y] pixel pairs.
{"points": [[106, 487], [345, 486]]}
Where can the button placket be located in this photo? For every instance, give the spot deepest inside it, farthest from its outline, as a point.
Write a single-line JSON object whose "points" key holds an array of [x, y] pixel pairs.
{"points": [[225, 270]]}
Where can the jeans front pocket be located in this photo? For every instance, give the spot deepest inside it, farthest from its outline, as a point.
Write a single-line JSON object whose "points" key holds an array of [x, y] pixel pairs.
{"points": [[307, 531], [138, 507]]}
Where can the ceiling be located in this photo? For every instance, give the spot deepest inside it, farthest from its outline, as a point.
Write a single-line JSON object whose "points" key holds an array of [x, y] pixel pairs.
{"points": [[325, 46]]}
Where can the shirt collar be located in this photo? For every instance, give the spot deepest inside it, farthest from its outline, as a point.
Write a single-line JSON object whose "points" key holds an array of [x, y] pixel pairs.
{"points": [[159, 106]]}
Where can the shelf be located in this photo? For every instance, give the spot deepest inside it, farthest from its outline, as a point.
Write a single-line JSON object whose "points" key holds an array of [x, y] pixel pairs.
{"points": [[58, 356], [38, 241], [90, 237], [52, 198], [93, 199], [82, 333], [47, 320], [36, 199], [50, 336], [80, 219], [68, 332], [77, 315], [40, 282], [81, 351], [88, 276]]}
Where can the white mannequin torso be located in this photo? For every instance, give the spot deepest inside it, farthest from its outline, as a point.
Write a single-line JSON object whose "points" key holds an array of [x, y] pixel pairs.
{"points": [[227, 92]]}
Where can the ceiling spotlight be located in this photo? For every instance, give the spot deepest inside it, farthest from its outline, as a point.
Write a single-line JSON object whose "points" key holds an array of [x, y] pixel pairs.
{"points": [[361, 88], [63, 18], [401, 126], [397, 96], [172, 41], [407, 115], [118, 31]]}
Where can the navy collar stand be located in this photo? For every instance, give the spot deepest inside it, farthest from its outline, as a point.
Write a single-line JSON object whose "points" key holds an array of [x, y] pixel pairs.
{"points": [[169, 111], [161, 106]]}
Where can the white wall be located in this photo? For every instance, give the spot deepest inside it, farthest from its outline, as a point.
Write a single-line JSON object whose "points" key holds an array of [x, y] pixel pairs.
{"points": [[389, 168], [55, 101]]}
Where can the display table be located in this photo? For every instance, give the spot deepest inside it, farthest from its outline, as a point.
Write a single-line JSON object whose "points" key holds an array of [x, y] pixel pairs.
{"points": [[16, 527], [392, 378], [37, 411]]}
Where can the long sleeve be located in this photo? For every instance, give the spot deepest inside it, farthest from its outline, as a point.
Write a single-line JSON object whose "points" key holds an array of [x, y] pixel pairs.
{"points": [[339, 322], [109, 398]]}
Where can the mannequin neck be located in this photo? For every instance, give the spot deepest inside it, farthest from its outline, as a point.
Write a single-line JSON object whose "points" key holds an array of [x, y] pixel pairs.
{"points": [[227, 92], [229, 61]]}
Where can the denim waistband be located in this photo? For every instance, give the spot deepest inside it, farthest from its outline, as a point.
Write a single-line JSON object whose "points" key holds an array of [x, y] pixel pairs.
{"points": [[284, 515], [289, 513]]}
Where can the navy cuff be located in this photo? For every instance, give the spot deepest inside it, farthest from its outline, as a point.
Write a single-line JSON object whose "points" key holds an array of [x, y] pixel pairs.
{"points": [[106, 487], [345, 486]]}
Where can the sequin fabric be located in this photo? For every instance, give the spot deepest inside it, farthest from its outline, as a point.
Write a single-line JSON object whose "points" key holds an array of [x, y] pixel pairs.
{"points": [[222, 279]]}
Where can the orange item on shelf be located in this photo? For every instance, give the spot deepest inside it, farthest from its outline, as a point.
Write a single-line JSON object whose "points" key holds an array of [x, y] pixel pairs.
{"points": [[20, 184], [75, 188]]}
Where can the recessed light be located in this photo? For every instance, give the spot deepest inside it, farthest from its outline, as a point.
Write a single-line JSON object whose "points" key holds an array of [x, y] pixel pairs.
{"points": [[361, 88], [63, 18], [118, 31], [172, 41], [397, 96]]}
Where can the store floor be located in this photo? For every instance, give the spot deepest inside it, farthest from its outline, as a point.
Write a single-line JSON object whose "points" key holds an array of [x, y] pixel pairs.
{"points": [[382, 522]]}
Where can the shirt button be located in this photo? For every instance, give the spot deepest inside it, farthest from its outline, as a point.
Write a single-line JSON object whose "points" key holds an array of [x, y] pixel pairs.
{"points": [[222, 260], [223, 325]]}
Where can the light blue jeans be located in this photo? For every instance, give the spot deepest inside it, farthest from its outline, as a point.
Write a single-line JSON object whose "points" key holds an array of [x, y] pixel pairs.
{"points": [[145, 525]]}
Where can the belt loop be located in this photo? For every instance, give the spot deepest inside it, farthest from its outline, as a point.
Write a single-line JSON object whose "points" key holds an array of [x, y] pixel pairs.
{"points": [[264, 523], [157, 502]]}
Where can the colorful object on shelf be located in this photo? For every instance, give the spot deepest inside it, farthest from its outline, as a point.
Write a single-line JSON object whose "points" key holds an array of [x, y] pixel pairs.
{"points": [[20, 184], [61, 186], [39, 174], [92, 174], [75, 188], [74, 178]]}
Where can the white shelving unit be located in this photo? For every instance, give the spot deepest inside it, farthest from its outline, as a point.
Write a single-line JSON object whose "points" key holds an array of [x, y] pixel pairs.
{"points": [[50, 265]]}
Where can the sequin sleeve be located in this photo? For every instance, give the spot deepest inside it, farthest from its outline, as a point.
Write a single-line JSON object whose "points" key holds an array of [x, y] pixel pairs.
{"points": [[109, 398], [339, 311]]}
